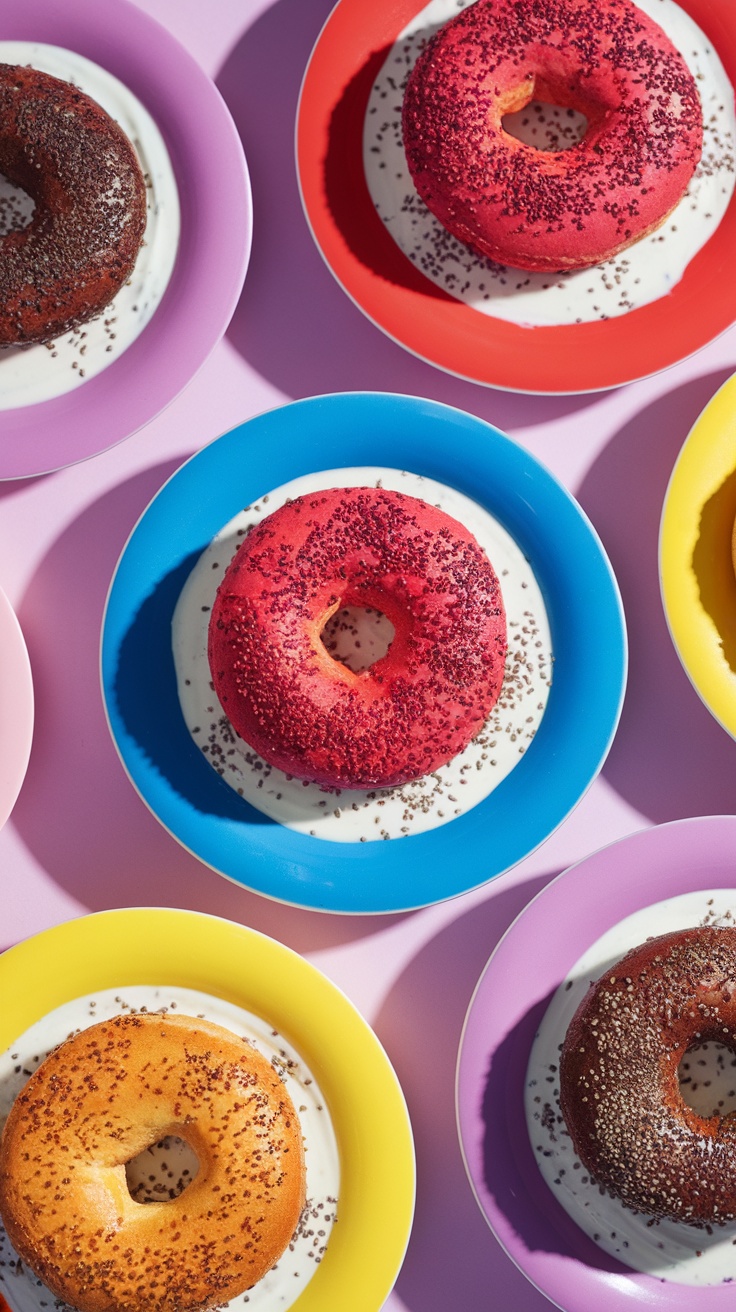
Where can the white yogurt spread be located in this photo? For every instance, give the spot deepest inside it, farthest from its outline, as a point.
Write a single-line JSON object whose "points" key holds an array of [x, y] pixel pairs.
{"points": [[283, 1284], [669, 1250], [29, 374], [383, 813], [644, 272]]}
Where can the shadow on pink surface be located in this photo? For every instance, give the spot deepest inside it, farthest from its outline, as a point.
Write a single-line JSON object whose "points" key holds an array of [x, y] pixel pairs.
{"points": [[670, 759], [453, 1260], [11, 486], [510, 1171], [293, 323], [77, 813]]}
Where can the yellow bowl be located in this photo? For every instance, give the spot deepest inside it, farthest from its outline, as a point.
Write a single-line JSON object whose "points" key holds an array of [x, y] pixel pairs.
{"points": [[695, 556], [185, 949]]}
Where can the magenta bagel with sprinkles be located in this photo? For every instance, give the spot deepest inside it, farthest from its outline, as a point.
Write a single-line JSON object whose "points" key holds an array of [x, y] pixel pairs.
{"points": [[551, 210], [414, 708]]}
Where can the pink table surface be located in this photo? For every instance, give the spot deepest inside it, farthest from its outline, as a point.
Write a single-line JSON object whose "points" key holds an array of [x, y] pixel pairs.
{"points": [[80, 839]]}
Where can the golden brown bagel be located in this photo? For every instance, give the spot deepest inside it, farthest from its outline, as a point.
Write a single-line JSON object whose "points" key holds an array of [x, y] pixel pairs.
{"points": [[99, 1100]]}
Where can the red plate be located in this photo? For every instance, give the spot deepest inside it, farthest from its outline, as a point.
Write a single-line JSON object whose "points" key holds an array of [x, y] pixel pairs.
{"points": [[371, 268]]}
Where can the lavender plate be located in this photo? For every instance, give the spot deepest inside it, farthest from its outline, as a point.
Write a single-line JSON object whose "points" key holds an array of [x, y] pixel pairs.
{"points": [[511, 998], [216, 224]]}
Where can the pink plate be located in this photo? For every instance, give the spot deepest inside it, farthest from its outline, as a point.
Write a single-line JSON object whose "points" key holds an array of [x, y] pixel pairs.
{"points": [[216, 224], [16, 708], [530, 962]]}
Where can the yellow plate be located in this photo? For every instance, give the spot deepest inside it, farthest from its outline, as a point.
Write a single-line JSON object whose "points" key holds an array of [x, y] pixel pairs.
{"points": [[695, 556], [185, 949]]}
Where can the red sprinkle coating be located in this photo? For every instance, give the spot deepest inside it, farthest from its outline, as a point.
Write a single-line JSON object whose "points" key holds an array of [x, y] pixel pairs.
{"points": [[103, 1097], [412, 710], [551, 210], [78, 166], [619, 1089]]}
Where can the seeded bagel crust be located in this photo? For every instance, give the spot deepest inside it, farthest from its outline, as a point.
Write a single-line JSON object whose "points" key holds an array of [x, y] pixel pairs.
{"points": [[103, 1097]]}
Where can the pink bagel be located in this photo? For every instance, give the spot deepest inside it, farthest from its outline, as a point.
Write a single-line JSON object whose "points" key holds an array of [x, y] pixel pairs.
{"points": [[412, 710], [551, 210]]}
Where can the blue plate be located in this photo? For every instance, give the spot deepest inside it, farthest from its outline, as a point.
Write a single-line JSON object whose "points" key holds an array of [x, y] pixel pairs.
{"points": [[583, 606]]}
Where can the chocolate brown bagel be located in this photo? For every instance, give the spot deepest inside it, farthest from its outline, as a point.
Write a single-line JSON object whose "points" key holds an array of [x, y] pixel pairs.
{"points": [[80, 169], [619, 1089]]}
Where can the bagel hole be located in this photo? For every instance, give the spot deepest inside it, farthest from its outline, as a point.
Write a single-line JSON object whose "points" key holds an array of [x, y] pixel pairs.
{"points": [[357, 636], [707, 1078], [162, 1171], [16, 207], [546, 127]]}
